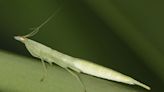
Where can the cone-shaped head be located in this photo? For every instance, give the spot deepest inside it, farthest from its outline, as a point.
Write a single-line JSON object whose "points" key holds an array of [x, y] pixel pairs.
{"points": [[20, 38]]}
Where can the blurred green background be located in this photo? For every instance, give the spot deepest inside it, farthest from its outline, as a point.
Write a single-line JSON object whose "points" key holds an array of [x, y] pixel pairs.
{"points": [[125, 35]]}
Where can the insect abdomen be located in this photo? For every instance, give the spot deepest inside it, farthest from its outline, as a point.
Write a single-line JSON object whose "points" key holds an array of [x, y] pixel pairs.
{"points": [[105, 73]]}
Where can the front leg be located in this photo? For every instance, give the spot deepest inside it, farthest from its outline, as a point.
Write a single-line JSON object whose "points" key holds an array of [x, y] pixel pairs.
{"points": [[45, 70]]}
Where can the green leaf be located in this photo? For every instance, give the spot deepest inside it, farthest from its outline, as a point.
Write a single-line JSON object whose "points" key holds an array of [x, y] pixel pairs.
{"points": [[22, 74]]}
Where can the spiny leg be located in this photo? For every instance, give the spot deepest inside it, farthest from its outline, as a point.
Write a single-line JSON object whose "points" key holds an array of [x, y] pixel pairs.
{"points": [[45, 70], [78, 78]]}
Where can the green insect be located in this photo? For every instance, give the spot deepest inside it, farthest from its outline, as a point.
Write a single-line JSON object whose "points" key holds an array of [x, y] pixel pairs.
{"points": [[72, 64]]}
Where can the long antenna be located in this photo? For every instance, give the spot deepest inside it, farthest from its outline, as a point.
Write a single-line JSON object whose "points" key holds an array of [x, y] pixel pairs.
{"points": [[36, 30]]}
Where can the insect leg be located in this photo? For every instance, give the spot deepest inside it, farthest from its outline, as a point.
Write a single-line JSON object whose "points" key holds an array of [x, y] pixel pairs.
{"points": [[45, 70], [78, 78]]}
